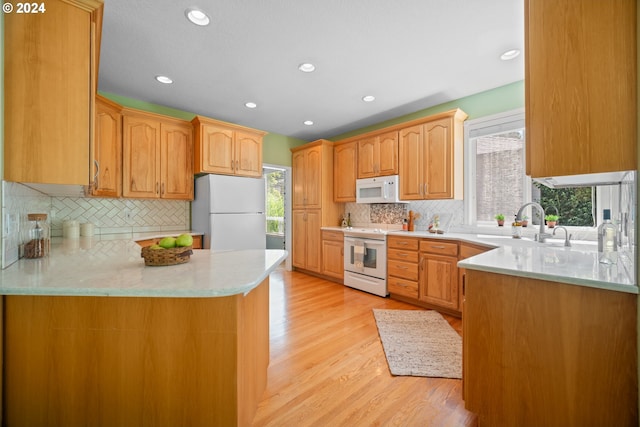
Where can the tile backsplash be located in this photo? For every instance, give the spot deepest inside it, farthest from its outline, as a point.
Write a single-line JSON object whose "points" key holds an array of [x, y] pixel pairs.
{"points": [[450, 212], [109, 216]]}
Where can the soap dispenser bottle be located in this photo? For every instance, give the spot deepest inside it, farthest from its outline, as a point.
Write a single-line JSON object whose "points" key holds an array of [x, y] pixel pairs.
{"points": [[607, 240]]}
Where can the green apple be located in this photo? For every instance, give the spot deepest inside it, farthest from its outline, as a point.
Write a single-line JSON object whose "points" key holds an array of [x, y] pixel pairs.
{"points": [[184, 240], [168, 242], [155, 247]]}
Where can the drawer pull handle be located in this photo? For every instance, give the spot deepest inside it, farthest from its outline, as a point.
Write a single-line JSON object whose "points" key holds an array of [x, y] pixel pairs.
{"points": [[401, 267], [403, 254], [437, 247]]}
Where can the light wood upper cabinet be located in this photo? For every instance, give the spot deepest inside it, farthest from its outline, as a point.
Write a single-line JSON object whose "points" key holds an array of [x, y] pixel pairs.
{"points": [[431, 158], [345, 157], [227, 149], [580, 87], [157, 157], [107, 151], [176, 160], [50, 66], [378, 155], [307, 182]]}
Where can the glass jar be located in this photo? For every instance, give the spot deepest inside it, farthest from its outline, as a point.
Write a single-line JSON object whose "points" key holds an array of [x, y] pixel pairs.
{"points": [[38, 243]]}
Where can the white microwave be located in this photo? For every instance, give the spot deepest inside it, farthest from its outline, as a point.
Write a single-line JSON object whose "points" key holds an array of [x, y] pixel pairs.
{"points": [[383, 189]]}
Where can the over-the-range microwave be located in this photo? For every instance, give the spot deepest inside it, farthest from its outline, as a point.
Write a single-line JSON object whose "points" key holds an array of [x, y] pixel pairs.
{"points": [[383, 189]]}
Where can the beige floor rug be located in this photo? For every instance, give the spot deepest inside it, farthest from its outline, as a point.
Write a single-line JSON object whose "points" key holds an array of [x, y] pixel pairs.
{"points": [[419, 343]]}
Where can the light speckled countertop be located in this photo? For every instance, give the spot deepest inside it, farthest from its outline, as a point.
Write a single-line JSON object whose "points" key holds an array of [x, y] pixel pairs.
{"points": [[114, 267], [551, 261]]}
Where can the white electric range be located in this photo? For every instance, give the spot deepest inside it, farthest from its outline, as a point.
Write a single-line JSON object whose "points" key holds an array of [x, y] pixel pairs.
{"points": [[365, 259]]}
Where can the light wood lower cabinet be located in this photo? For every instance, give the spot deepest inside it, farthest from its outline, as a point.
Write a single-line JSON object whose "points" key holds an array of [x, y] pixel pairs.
{"points": [[439, 273], [307, 252], [424, 272], [118, 361], [541, 353], [402, 266], [333, 254], [467, 250]]}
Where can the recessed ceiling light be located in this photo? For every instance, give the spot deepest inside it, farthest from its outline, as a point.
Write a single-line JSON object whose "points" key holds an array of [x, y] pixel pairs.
{"points": [[197, 16], [510, 54], [164, 79], [306, 67], [250, 104], [308, 122], [368, 98]]}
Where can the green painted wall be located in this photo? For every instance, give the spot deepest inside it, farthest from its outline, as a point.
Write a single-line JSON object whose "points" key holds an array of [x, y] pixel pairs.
{"points": [[275, 148], [503, 98]]}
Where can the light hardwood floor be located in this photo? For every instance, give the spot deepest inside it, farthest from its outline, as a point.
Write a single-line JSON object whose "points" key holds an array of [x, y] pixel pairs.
{"points": [[328, 367]]}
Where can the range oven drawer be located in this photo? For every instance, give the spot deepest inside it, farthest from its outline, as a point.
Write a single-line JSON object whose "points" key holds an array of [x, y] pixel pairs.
{"points": [[405, 270]]}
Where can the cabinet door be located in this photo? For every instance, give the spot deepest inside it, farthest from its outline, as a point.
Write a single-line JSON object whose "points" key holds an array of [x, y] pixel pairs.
{"points": [[344, 172], [438, 159], [387, 153], [248, 154], [299, 177], [439, 280], [580, 87], [299, 243], [48, 95], [217, 150], [333, 259], [314, 242], [107, 152], [411, 154], [141, 157], [313, 178], [177, 162], [367, 159]]}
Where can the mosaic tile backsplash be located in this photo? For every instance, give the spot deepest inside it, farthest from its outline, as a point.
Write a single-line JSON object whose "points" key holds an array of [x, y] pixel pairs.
{"points": [[392, 214], [109, 216]]}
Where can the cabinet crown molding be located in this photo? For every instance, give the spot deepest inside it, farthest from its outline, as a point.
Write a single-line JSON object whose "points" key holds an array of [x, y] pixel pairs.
{"points": [[456, 113], [201, 120]]}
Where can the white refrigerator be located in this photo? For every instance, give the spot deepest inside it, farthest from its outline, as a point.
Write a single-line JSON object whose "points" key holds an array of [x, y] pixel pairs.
{"points": [[230, 212]]}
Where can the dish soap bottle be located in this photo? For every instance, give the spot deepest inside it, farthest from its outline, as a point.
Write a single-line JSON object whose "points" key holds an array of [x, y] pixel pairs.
{"points": [[607, 240]]}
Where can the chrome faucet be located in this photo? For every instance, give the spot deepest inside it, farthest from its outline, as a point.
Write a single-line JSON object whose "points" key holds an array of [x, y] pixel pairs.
{"points": [[567, 236], [542, 235]]}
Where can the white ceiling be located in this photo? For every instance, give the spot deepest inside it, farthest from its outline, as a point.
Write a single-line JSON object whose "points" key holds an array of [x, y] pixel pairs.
{"points": [[409, 54]]}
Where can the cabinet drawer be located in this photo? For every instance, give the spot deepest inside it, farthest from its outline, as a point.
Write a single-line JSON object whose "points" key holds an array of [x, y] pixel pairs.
{"points": [[332, 235], [402, 255], [402, 269], [438, 247], [408, 288], [407, 243], [467, 251]]}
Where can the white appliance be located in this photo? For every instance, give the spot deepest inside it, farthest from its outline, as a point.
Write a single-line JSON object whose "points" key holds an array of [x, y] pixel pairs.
{"points": [[230, 212], [365, 260], [383, 189]]}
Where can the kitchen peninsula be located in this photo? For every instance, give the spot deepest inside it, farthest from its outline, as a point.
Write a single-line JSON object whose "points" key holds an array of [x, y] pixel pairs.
{"points": [[93, 337]]}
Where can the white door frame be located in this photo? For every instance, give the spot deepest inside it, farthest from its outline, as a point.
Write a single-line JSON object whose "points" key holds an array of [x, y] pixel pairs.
{"points": [[287, 209]]}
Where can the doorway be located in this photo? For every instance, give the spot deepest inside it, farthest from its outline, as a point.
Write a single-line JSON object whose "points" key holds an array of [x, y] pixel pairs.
{"points": [[278, 209]]}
